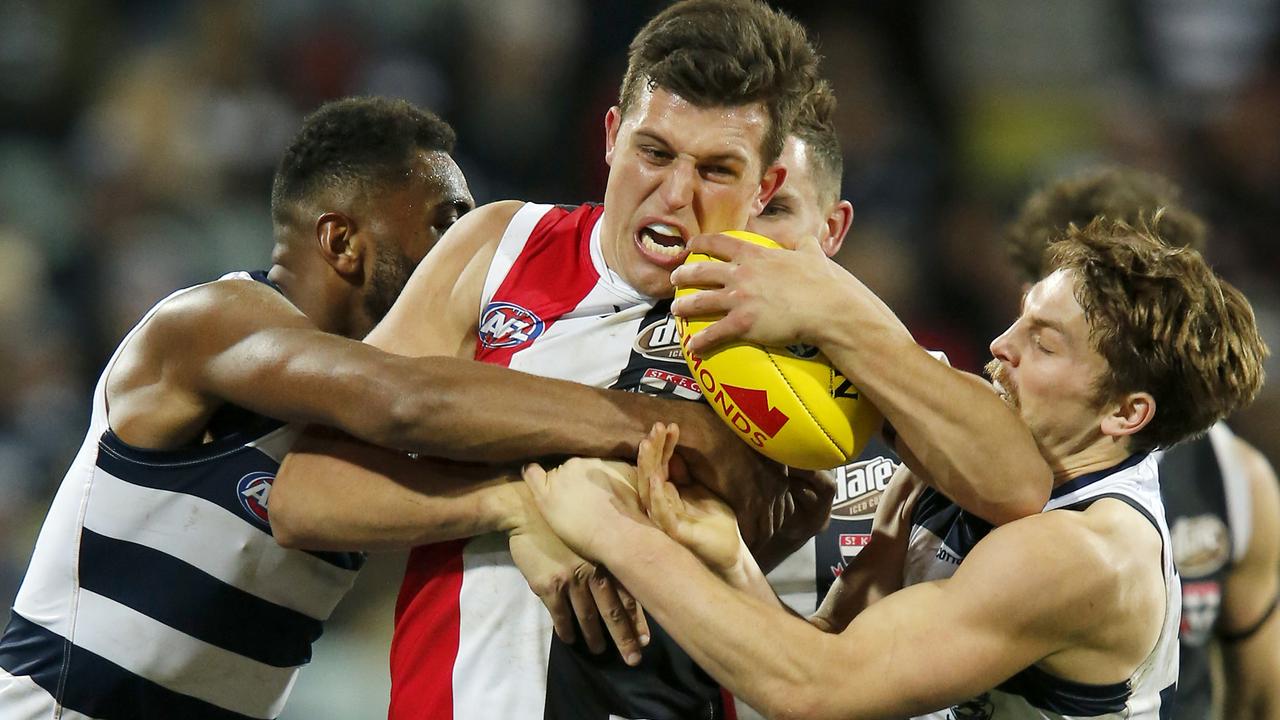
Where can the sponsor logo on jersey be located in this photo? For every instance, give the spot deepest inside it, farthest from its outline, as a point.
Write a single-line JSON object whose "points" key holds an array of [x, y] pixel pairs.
{"points": [[253, 491], [851, 544], [1201, 603], [661, 382], [859, 486], [660, 340], [1201, 545], [504, 325]]}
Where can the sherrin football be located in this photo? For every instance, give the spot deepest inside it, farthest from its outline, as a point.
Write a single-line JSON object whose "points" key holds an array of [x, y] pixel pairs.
{"points": [[788, 403]]}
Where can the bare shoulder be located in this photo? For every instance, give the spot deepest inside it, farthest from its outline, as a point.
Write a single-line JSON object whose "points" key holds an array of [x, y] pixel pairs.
{"points": [[202, 321], [1105, 558], [155, 390]]}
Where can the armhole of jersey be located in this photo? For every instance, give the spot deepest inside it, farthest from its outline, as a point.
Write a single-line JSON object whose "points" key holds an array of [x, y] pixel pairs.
{"points": [[103, 423], [1235, 485], [514, 238]]}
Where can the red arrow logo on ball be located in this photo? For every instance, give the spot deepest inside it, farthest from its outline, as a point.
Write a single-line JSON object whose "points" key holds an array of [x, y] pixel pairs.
{"points": [[755, 405]]}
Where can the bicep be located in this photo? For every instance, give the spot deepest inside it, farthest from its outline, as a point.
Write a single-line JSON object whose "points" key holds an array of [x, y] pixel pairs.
{"points": [[938, 643]]}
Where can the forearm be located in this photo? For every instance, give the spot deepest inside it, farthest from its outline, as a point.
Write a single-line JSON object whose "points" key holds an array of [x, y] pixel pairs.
{"points": [[472, 411], [970, 444], [340, 494]]}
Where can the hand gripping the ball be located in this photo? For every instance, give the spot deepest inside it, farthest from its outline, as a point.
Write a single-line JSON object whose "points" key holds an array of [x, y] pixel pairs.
{"points": [[767, 295]]}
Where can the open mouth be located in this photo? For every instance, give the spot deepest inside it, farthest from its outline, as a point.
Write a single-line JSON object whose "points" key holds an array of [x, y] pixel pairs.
{"points": [[663, 243]]}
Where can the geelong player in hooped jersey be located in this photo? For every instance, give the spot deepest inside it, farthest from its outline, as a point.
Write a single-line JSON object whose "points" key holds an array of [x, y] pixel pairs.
{"points": [[1069, 613], [1220, 494]]}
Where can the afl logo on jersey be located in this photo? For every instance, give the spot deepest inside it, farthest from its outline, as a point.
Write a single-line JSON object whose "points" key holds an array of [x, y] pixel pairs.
{"points": [[253, 491], [505, 324]]}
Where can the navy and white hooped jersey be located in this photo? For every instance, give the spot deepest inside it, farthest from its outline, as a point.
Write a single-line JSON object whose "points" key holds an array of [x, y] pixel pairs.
{"points": [[941, 537], [471, 640], [156, 590]]}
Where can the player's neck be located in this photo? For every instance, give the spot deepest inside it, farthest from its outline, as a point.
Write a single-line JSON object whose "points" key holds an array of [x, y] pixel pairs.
{"points": [[1102, 453]]}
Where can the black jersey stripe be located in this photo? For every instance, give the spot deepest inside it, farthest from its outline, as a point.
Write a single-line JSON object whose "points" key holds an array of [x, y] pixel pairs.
{"points": [[210, 472], [89, 683], [1067, 697], [227, 617]]}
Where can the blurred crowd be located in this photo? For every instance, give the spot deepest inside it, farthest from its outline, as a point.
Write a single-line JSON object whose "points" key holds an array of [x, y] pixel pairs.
{"points": [[138, 139]]}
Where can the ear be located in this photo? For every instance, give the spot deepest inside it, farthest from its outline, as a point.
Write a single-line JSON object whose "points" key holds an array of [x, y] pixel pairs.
{"points": [[839, 220], [770, 183], [612, 121], [335, 238], [1132, 414]]}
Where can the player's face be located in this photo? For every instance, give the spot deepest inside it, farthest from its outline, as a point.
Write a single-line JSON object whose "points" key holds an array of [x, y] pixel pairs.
{"points": [[1047, 369], [796, 210], [675, 171], [407, 222]]}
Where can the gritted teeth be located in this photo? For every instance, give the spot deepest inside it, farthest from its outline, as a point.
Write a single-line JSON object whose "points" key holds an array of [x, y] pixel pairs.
{"points": [[663, 239], [653, 246]]}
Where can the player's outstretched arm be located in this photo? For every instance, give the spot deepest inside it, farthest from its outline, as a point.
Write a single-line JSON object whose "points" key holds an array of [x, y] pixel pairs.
{"points": [[889, 662], [1249, 629], [967, 441]]}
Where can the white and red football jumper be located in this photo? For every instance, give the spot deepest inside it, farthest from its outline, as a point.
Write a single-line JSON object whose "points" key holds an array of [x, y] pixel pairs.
{"points": [[471, 640]]}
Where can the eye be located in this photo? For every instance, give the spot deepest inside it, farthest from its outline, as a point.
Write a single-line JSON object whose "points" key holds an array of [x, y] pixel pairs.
{"points": [[656, 155], [1039, 345], [447, 215], [775, 209], [719, 172]]}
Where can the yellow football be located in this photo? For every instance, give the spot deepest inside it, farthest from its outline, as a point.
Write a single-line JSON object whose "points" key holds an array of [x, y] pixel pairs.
{"points": [[789, 403]]}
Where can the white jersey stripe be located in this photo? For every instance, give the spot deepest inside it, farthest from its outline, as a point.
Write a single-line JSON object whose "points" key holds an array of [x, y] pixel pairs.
{"points": [[510, 246], [1235, 483], [518, 638], [157, 652], [180, 525]]}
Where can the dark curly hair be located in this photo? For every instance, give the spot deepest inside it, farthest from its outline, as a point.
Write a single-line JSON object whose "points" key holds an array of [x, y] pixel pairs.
{"points": [[366, 140], [1166, 325], [725, 53], [1116, 193]]}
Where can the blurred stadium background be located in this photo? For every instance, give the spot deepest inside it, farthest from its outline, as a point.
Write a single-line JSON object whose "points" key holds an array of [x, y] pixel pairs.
{"points": [[138, 138]]}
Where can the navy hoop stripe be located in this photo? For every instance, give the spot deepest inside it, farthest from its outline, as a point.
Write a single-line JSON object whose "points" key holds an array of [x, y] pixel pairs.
{"points": [[228, 618], [90, 684]]}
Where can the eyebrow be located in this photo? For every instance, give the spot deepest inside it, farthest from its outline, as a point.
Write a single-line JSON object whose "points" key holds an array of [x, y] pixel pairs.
{"points": [[719, 157], [1040, 322]]}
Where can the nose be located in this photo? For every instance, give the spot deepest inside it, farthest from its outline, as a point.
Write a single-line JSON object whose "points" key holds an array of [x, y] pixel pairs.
{"points": [[677, 186], [1002, 347]]}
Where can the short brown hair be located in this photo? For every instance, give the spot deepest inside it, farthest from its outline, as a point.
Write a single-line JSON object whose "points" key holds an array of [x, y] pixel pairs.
{"points": [[725, 53], [1166, 325], [815, 126], [1117, 193]]}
